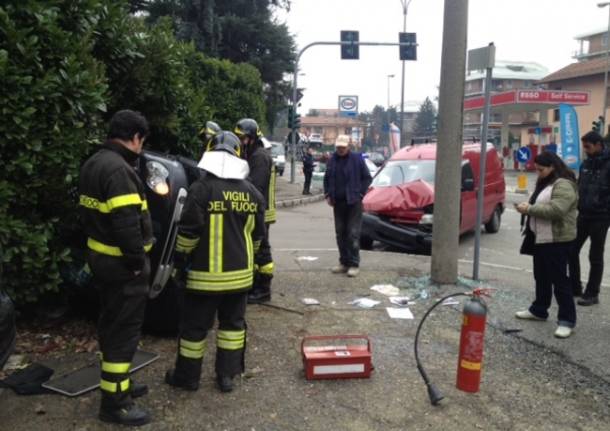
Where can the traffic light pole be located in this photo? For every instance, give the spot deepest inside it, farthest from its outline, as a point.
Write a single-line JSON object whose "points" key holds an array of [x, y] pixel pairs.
{"points": [[293, 139]]}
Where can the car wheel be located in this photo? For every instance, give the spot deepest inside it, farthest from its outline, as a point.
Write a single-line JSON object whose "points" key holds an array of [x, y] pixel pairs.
{"points": [[366, 243], [493, 225]]}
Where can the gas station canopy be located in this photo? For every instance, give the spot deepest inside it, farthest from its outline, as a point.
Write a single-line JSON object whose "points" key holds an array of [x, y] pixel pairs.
{"points": [[528, 100]]}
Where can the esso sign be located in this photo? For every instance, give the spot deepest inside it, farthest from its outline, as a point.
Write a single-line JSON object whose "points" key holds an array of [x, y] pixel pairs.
{"points": [[348, 104]]}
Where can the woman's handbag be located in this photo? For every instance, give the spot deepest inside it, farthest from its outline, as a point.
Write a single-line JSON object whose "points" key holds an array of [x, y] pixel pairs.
{"points": [[529, 243]]}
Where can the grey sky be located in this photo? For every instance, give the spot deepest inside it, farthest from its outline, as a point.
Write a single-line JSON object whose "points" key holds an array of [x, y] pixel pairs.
{"points": [[523, 30]]}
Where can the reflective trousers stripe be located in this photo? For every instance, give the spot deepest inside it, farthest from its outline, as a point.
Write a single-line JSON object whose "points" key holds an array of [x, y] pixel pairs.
{"points": [[270, 215], [113, 203], [192, 349], [231, 340], [113, 387], [109, 250], [185, 244], [115, 367]]}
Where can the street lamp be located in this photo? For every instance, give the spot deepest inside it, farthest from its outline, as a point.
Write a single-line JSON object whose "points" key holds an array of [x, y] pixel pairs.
{"points": [[389, 76], [405, 6], [605, 104]]}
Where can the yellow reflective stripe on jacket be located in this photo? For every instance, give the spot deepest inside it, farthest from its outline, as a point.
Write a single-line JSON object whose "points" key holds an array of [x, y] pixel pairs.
{"points": [[257, 245], [192, 349], [221, 285], [216, 242], [228, 275], [112, 387], [113, 203], [109, 249], [266, 269], [231, 340], [115, 367], [270, 215], [185, 244], [248, 228]]}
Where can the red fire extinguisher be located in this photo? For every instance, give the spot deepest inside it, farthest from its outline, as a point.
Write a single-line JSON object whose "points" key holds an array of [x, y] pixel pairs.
{"points": [[471, 344]]}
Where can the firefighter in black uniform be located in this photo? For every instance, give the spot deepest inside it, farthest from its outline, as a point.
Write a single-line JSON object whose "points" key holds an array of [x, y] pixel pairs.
{"points": [[207, 133], [116, 220], [221, 228], [262, 175]]}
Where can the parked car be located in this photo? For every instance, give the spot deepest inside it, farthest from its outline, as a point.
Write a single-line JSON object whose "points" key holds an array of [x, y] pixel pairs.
{"points": [[376, 158], [399, 206], [372, 167], [278, 153]]}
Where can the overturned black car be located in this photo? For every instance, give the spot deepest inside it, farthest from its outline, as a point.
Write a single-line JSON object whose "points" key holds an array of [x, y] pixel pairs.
{"points": [[167, 179]]}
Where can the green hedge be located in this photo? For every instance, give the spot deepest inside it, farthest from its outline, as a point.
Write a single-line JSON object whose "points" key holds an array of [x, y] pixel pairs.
{"points": [[65, 67]]}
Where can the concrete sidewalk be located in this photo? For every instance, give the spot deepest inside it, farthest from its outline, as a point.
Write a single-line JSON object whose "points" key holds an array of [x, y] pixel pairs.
{"points": [[291, 194]]}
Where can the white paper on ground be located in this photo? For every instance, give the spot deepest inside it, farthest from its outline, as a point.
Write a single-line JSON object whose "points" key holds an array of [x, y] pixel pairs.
{"points": [[310, 301], [386, 289], [307, 258], [364, 302], [399, 313], [400, 300]]}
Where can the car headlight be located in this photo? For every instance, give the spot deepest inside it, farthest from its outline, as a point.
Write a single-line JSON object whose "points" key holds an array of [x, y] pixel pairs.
{"points": [[427, 219], [157, 178]]}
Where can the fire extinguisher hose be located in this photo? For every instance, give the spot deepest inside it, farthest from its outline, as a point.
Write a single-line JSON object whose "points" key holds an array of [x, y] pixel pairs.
{"points": [[433, 393]]}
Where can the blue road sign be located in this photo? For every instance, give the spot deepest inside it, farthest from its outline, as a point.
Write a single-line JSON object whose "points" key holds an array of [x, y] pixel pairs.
{"points": [[524, 154]]}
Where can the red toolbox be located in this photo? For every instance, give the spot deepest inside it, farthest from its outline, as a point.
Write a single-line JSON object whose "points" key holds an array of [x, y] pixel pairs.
{"points": [[344, 358]]}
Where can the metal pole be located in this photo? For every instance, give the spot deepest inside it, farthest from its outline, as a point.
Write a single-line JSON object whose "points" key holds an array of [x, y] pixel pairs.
{"points": [[480, 194], [405, 7], [606, 72], [444, 266], [294, 87]]}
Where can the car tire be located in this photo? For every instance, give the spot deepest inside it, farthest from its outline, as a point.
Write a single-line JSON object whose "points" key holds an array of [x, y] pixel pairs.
{"points": [[366, 243], [493, 225]]}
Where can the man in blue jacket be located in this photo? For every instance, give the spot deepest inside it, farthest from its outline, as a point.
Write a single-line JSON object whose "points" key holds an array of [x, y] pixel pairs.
{"points": [[345, 183]]}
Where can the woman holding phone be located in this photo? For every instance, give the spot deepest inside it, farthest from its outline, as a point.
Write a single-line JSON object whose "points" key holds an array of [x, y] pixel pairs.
{"points": [[551, 216]]}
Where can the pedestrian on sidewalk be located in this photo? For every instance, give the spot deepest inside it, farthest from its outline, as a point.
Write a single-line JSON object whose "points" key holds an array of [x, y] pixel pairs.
{"points": [[551, 216], [593, 217], [346, 181], [115, 218], [308, 166]]}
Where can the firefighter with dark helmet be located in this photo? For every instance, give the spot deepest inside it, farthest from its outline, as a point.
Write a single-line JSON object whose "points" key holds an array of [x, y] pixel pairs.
{"points": [[262, 175], [115, 216], [222, 225], [207, 133]]}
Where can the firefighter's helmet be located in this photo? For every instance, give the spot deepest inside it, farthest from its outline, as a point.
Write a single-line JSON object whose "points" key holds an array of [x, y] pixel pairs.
{"points": [[248, 127], [209, 130], [226, 141]]}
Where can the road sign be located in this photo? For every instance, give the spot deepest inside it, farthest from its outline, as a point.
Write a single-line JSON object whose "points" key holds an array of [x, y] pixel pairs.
{"points": [[407, 52], [350, 51], [348, 106], [523, 155]]}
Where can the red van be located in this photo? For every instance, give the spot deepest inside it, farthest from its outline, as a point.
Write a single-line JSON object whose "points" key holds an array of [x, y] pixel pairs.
{"points": [[399, 206]]}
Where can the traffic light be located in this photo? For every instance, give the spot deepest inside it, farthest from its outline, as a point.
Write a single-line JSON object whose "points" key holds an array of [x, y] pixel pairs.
{"points": [[351, 51], [294, 119], [408, 52]]}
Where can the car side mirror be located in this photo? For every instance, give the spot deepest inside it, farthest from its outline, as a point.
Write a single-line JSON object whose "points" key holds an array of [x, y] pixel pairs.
{"points": [[468, 185]]}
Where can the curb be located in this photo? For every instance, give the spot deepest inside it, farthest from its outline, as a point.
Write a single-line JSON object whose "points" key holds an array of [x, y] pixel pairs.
{"points": [[299, 201]]}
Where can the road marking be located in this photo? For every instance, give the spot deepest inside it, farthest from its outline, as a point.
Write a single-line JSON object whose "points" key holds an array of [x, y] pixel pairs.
{"points": [[496, 265]]}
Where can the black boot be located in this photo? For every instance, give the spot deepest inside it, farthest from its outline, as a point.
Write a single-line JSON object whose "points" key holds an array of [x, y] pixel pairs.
{"points": [[225, 383], [258, 296], [175, 381], [130, 415]]}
